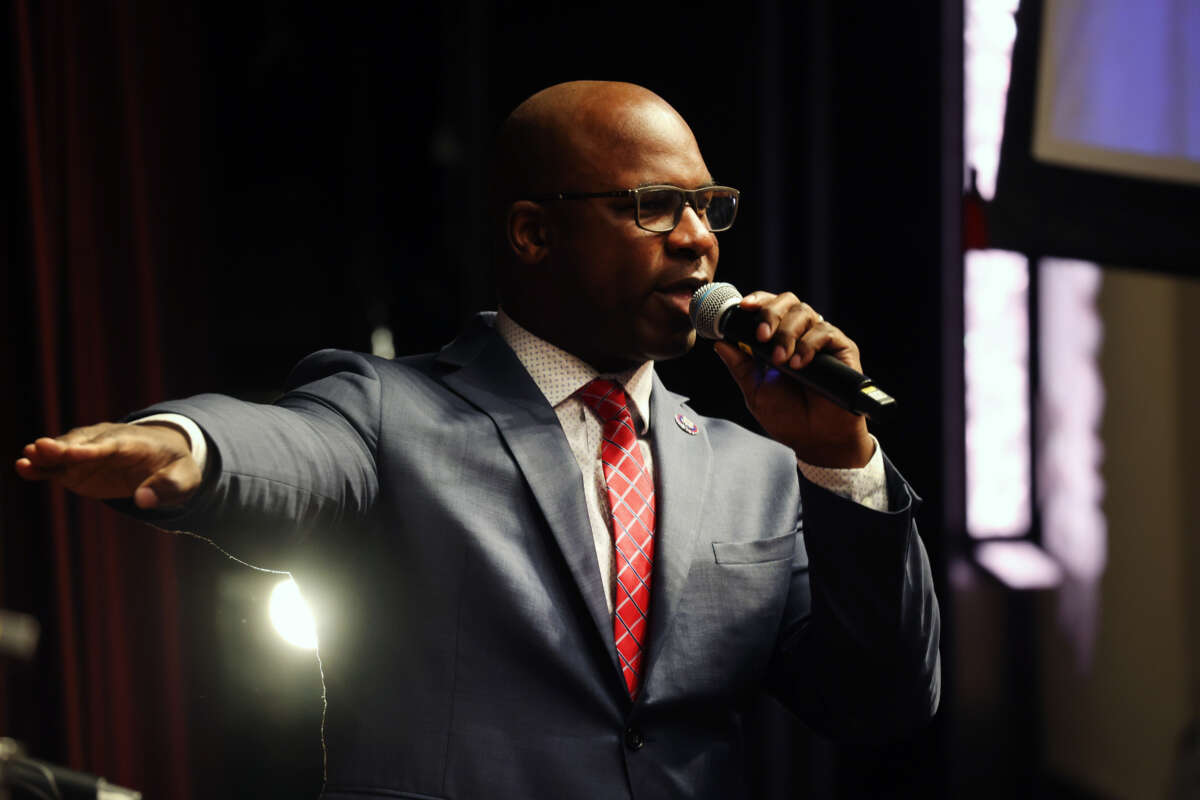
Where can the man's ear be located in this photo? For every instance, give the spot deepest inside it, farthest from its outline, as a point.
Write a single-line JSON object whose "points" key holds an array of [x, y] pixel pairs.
{"points": [[526, 229]]}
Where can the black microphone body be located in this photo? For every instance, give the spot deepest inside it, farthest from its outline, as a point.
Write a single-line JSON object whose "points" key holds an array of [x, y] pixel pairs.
{"points": [[716, 315]]}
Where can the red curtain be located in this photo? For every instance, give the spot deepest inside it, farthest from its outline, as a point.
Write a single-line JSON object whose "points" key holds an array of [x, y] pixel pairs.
{"points": [[88, 97]]}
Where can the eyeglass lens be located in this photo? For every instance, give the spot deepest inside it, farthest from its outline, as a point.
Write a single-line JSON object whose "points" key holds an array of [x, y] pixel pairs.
{"points": [[661, 209]]}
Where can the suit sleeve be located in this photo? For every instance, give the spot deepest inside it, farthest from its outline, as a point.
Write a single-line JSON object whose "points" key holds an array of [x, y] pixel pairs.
{"points": [[857, 654], [280, 473]]}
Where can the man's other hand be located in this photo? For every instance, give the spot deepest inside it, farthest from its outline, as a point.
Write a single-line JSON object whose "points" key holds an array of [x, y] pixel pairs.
{"points": [[151, 463], [820, 432]]}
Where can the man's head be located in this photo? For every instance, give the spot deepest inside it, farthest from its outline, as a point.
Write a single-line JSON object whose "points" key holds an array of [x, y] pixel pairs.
{"points": [[580, 272]]}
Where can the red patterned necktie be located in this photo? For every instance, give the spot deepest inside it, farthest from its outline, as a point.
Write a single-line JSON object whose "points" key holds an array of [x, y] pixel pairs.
{"points": [[631, 501]]}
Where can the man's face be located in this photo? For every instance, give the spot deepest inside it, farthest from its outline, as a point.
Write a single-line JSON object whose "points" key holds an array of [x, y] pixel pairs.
{"points": [[624, 291]]}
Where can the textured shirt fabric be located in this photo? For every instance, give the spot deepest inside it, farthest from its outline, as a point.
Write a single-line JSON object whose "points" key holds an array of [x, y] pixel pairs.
{"points": [[866, 485]]}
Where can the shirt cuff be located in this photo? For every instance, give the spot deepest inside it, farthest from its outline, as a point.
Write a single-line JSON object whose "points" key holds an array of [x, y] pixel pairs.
{"points": [[865, 485], [189, 429]]}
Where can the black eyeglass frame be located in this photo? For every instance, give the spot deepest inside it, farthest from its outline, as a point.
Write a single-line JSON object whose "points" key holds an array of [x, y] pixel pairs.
{"points": [[689, 199]]}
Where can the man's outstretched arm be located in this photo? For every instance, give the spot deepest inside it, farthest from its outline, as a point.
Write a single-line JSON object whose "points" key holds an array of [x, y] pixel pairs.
{"points": [[305, 463]]}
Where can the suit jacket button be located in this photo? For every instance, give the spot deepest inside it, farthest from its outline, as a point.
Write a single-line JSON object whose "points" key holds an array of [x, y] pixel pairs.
{"points": [[634, 739]]}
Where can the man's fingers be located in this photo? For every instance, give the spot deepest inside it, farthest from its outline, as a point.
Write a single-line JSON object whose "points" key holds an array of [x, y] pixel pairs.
{"points": [[796, 321], [818, 339], [785, 319], [29, 472], [772, 310], [827, 338], [49, 449], [45, 446], [46, 452], [87, 433], [796, 331], [173, 485]]}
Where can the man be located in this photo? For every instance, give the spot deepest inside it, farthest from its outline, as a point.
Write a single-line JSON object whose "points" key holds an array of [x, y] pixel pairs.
{"points": [[533, 584]]}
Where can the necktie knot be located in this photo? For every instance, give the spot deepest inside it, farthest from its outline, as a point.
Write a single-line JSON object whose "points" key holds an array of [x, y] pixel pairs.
{"points": [[606, 398]]}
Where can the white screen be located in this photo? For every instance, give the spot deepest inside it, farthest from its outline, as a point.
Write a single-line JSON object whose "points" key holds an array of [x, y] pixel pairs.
{"points": [[1119, 87]]}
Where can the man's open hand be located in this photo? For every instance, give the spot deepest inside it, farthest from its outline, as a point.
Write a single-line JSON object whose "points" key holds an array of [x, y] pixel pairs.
{"points": [[151, 463]]}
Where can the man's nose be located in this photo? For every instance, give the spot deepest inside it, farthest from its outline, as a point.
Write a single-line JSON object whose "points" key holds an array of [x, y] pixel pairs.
{"points": [[691, 235]]}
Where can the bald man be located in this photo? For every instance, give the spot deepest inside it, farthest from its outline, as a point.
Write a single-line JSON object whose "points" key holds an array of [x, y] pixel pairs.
{"points": [[536, 572]]}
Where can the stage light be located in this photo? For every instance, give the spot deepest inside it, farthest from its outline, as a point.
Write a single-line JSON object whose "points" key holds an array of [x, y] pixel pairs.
{"points": [[291, 616]]}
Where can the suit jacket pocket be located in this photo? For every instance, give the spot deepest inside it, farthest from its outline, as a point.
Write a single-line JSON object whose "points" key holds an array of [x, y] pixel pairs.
{"points": [[756, 551]]}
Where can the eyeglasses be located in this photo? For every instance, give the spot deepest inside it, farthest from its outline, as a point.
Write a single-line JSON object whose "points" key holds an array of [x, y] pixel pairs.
{"points": [[660, 207]]}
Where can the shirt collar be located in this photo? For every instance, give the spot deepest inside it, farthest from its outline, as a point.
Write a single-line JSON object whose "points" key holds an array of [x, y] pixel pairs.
{"points": [[559, 374]]}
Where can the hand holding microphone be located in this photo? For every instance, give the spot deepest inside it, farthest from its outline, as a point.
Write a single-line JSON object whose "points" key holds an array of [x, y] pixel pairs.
{"points": [[717, 314], [804, 403]]}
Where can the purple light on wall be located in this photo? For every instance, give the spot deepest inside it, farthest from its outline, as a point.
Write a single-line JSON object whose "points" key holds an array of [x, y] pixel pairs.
{"points": [[1070, 406], [1019, 564], [988, 37], [996, 346]]}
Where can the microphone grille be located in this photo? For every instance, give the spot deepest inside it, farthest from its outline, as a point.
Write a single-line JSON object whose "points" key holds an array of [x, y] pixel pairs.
{"points": [[708, 307]]}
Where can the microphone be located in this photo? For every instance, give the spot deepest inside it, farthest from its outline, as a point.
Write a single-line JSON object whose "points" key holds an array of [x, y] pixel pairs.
{"points": [[715, 315]]}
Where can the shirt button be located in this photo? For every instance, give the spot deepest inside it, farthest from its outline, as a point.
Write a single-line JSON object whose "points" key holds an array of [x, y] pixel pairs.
{"points": [[634, 739]]}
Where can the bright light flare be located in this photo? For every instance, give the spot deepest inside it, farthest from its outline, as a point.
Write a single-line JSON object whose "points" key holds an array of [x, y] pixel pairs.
{"points": [[291, 616]]}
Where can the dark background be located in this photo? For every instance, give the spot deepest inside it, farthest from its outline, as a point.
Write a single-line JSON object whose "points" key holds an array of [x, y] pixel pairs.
{"points": [[200, 194]]}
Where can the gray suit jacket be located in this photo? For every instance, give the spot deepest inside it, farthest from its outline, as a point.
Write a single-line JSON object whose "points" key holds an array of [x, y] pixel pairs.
{"points": [[432, 512]]}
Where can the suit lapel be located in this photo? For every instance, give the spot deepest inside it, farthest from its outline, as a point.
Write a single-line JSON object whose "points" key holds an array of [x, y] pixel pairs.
{"points": [[491, 378], [682, 467]]}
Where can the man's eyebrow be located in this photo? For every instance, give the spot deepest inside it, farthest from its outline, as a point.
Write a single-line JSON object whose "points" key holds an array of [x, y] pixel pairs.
{"points": [[705, 185]]}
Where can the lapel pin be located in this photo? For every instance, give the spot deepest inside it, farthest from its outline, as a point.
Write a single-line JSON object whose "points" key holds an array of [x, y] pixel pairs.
{"points": [[686, 425]]}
